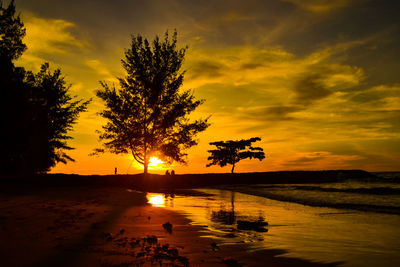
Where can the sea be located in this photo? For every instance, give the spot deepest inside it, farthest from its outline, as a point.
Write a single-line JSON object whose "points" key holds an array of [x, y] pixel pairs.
{"points": [[350, 223]]}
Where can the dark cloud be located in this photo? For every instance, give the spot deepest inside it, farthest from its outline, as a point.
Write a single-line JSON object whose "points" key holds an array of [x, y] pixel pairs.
{"points": [[310, 88], [321, 80], [373, 154], [270, 113], [306, 159], [206, 69], [359, 20], [376, 94], [281, 112], [250, 66]]}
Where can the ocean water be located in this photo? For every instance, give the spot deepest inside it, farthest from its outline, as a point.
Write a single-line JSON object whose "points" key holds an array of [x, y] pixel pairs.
{"points": [[383, 197], [351, 223]]}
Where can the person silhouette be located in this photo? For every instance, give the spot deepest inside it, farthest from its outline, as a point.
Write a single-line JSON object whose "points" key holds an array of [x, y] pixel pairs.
{"points": [[172, 172], [115, 171], [167, 172]]}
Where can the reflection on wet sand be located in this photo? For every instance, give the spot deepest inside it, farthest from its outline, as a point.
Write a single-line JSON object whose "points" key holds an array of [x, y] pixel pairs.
{"points": [[304, 232], [220, 220], [160, 200]]}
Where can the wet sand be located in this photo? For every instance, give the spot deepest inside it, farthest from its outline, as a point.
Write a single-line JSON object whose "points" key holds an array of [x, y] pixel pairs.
{"points": [[108, 226]]}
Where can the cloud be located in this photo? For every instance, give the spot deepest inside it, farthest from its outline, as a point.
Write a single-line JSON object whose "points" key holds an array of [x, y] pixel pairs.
{"points": [[311, 87], [320, 6], [101, 70], [48, 40], [378, 98], [207, 69], [237, 65], [314, 160], [320, 81], [48, 36], [268, 83], [268, 113]]}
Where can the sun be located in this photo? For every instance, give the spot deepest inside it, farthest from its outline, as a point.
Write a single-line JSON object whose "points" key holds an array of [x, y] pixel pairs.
{"points": [[156, 163]]}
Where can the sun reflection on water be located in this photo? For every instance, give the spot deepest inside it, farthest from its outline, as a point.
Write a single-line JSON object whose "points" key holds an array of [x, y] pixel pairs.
{"points": [[156, 200]]}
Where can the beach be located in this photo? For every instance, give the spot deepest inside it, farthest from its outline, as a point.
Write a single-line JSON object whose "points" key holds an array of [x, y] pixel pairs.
{"points": [[111, 226]]}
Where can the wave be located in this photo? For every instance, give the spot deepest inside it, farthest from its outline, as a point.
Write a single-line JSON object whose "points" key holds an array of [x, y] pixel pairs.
{"points": [[320, 202]]}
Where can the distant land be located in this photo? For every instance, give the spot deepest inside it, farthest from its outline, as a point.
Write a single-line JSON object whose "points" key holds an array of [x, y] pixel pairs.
{"points": [[156, 181]]}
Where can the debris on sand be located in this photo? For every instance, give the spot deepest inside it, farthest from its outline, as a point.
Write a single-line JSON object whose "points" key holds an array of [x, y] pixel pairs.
{"points": [[183, 260], [148, 249], [167, 227], [151, 239], [229, 261], [173, 252], [109, 236], [214, 246]]}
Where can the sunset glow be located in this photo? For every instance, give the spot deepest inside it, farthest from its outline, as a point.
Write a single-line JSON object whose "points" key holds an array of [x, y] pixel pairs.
{"points": [[318, 82], [156, 163]]}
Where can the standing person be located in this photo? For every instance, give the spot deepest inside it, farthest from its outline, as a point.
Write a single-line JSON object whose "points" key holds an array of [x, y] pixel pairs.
{"points": [[172, 172], [115, 171], [167, 172]]}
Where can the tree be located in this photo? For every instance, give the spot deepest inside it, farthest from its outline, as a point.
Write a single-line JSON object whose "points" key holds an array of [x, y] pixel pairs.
{"points": [[36, 110], [147, 115], [55, 111], [231, 152]]}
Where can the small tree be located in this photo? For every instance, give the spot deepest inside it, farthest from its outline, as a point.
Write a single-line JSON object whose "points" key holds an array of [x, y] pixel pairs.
{"points": [[148, 115], [231, 152]]}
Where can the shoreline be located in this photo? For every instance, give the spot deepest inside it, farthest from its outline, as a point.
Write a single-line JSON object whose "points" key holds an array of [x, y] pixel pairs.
{"points": [[340, 206], [68, 226], [151, 182]]}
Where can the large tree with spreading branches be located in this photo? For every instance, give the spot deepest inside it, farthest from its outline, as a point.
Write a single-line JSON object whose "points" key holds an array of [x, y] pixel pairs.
{"points": [[231, 152], [148, 114]]}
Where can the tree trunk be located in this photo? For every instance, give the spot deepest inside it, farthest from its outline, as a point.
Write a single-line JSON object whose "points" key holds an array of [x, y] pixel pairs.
{"points": [[146, 163], [145, 167], [233, 168]]}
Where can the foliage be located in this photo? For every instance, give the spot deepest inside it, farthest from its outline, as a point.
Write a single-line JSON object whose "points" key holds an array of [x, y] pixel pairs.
{"points": [[231, 152], [11, 32], [36, 110], [55, 110], [147, 115]]}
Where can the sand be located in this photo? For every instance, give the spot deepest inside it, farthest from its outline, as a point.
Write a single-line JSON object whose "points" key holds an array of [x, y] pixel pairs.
{"points": [[101, 226]]}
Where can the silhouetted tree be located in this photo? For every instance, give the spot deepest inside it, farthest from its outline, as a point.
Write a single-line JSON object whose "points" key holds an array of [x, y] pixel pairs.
{"points": [[36, 111], [231, 152], [147, 115], [55, 111]]}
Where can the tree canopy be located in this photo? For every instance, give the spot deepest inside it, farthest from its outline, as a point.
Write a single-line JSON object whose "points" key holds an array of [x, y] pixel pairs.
{"points": [[148, 114], [11, 32], [231, 152], [36, 110]]}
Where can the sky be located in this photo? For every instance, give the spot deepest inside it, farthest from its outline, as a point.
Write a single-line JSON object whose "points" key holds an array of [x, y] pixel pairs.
{"points": [[317, 80]]}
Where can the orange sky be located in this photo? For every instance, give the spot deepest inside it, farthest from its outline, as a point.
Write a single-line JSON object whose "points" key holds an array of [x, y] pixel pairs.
{"points": [[318, 81]]}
